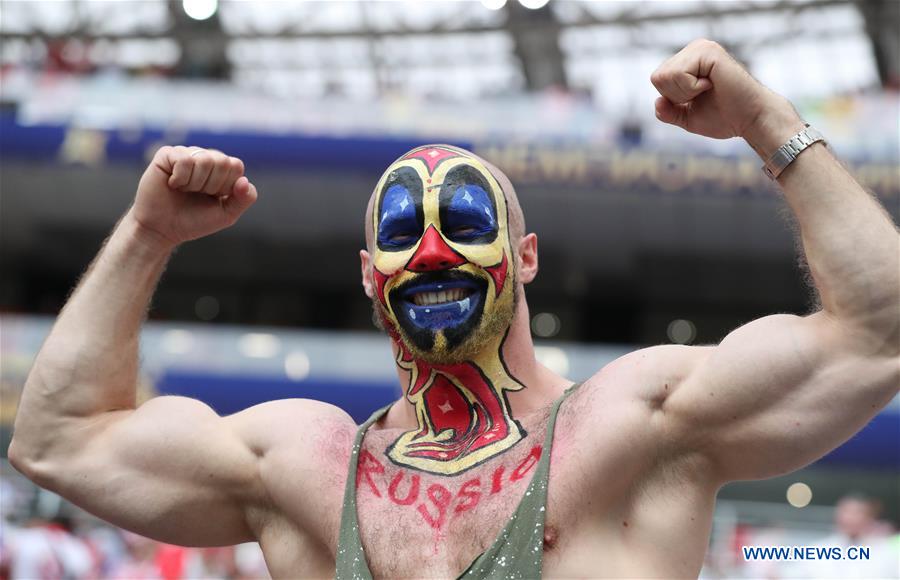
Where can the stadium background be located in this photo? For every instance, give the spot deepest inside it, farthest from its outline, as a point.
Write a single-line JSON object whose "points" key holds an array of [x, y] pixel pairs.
{"points": [[647, 234]]}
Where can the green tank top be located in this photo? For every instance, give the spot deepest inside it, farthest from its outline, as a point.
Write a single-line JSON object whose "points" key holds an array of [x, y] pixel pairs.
{"points": [[518, 551]]}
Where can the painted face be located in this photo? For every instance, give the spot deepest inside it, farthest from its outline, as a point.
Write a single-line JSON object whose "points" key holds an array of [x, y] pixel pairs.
{"points": [[442, 266]]}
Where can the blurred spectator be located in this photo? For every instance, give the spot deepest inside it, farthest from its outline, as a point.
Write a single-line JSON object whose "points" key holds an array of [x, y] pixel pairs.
{"points": [[141, 562], [856, 523], [855, 519], [47, 550]]}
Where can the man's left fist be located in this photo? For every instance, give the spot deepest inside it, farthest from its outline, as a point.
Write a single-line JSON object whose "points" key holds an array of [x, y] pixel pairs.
{"points": [[705, 91]]}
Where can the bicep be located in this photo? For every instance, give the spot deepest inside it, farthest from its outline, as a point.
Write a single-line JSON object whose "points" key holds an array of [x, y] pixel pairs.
{"points": [[780, 392], [172, 470]]}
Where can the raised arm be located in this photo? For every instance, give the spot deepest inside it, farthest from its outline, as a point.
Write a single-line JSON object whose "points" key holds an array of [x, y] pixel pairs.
{"points": [[171, 469], [784, 390]]}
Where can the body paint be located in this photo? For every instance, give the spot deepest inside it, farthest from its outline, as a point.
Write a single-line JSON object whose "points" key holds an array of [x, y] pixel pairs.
{"points": [[437, 504], [444, 279], [463, 416]]}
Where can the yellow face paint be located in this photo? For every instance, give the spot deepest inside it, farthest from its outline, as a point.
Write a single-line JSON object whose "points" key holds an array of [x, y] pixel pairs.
{"points": [[441, 227], [445, 282]]}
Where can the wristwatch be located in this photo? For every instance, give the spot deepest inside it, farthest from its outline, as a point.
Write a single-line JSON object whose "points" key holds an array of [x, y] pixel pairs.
{"points": [[786, 154]]}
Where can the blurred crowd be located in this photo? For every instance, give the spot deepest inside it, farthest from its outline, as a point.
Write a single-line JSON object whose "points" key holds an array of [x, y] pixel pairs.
{"points": [[51, 550], [856, 522], [76, 546]]}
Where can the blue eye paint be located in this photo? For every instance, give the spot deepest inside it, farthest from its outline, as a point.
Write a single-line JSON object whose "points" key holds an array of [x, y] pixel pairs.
{"points": [[470, 216], [467, 208], [400, 218]]}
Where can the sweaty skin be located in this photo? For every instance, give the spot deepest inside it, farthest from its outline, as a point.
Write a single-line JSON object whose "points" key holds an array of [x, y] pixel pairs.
{"points": [[640, 449]]}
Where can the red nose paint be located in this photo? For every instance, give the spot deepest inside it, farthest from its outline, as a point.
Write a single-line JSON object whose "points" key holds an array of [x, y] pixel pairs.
{"points": [[434, 254]]}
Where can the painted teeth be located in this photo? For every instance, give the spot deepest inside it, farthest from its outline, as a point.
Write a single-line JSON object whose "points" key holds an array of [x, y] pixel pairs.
{"points": [[429, 298]]}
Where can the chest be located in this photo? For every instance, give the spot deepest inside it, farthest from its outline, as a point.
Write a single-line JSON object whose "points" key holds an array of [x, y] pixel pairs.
{"points": [[415, 524], [412, 521]]}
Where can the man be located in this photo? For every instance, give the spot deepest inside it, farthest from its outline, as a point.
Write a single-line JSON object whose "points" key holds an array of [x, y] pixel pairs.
{"points": [[446, 477], [855, 524]]}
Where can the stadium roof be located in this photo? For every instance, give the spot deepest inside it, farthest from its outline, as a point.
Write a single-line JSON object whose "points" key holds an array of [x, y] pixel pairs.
{"points": [[453, 51]]}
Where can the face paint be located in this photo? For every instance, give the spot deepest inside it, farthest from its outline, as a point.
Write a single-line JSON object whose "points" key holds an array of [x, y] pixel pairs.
{"points": [[445, 285], [462, 412], [441, 254]]}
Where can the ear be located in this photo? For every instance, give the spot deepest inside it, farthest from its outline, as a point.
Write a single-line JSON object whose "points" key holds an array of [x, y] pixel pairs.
{"points": [[528, 258], [365, 264]]}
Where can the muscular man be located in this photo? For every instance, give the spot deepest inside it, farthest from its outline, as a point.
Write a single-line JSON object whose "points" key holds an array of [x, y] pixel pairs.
{"points": [[455, 475]]}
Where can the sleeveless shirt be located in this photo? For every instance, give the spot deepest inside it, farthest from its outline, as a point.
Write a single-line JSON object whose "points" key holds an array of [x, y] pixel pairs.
{"points": [[517, 552]]}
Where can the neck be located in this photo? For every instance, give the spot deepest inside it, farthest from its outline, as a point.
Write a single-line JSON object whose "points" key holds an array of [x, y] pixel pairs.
{"points": [[461, 413]]}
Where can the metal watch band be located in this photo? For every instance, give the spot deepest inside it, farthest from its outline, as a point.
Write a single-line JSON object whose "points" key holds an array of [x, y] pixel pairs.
{"points": [[786, 154]]}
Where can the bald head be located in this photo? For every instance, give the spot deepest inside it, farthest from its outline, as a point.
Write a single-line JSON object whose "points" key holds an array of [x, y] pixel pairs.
{"points": [[516, 218]]}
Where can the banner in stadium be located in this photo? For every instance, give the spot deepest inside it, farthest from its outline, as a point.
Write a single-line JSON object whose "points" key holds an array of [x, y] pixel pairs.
{"points": [[607, 167]]}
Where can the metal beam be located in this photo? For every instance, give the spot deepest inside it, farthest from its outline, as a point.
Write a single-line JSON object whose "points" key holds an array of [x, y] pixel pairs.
{"points": [[203, 45], [882, 19], [628, 18], [536, 39]]}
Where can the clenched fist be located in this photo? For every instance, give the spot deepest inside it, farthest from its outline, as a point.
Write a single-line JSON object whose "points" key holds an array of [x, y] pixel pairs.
{"points": [[705, 91], [188, 192]]}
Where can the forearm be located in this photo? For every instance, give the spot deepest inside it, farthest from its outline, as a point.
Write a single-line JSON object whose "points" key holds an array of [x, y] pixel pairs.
{"points": [[851, 244], [88, 364]]}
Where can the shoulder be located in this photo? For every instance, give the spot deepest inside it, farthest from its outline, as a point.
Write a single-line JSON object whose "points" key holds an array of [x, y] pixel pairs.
{"points": [[303, 447], [294, 409], [647, 376], [294, 422], [626, 400]]}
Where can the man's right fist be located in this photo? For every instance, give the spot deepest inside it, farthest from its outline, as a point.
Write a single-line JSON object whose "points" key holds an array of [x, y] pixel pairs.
{"points": [[188, 192]]}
